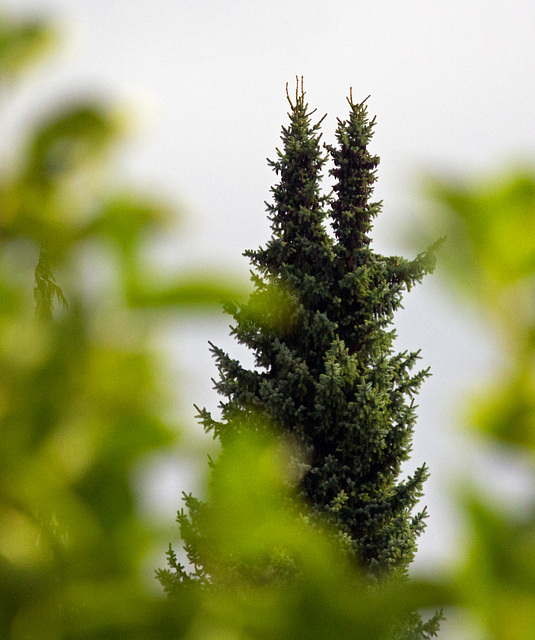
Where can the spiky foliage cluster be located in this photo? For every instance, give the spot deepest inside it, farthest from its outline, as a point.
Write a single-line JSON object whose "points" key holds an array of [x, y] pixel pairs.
{"points": [[319, 323]]}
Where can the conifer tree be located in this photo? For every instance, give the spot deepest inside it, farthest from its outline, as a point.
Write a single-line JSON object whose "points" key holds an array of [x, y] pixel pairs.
{"points": [[319, 323]]}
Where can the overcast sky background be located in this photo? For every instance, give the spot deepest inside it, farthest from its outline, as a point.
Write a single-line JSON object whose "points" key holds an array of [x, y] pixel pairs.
{"points": [[452, 86]]}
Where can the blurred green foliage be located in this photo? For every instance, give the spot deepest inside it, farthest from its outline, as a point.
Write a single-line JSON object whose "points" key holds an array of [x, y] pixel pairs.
{"points": [[490, 259], [21, 42], [82, 398], [245, 521], [490, 254]]}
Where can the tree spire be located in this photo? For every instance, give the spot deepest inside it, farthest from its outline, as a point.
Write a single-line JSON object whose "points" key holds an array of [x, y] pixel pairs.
{"points": [[319, 325]]}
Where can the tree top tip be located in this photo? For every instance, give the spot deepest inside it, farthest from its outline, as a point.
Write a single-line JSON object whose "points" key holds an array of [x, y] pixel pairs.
{"points": [[297, 96], [352, 104]]}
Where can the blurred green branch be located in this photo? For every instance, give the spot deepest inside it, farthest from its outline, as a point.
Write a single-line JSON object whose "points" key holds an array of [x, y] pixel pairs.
{"points": [[82, 395], [490, 259]]}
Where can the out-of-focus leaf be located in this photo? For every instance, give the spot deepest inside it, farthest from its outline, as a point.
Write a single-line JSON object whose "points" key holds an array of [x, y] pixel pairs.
{"points": [[188, 292], [124, 219], [507, 413], [69, 138], [499, 221], [53, 194], [498, 580], [490, 229], [21, 43]]}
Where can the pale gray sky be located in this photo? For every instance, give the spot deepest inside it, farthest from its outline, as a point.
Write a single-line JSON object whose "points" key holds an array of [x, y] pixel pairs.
{"points": [[451, 84]]}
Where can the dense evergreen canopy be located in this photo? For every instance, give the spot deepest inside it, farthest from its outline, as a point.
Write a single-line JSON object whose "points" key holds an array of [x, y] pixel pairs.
{"points": [[319, 323]]}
